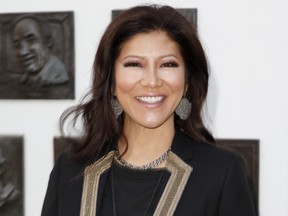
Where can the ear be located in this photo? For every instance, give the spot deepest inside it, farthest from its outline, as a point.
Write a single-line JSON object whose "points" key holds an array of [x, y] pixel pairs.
{"points": [[113, 92], [186, 89], [49, 43]]}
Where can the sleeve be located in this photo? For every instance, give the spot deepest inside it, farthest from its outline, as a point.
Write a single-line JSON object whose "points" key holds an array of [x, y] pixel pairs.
{"points": [[236, 198], [50, 205]]}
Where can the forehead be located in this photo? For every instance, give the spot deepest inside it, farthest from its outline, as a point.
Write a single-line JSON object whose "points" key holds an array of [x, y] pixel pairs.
{"points": [[151, 42], [26, 26]]}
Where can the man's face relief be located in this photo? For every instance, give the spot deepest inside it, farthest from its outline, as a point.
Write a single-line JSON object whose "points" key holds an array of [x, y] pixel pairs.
{"points": [[31, 49]]}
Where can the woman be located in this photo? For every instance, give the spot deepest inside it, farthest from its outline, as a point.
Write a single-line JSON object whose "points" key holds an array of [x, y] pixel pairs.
{"points": [[145, 150]]}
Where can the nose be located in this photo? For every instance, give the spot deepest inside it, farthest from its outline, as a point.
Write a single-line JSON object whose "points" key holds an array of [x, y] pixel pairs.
{"points": [[151, 78], [23, 49]]}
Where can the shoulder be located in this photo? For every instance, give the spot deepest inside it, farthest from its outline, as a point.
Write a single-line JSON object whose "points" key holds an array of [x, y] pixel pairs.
{"points": [[64, 187], [54, 72], [218, 179], [65, 169], [214, 154], [204, 155]]}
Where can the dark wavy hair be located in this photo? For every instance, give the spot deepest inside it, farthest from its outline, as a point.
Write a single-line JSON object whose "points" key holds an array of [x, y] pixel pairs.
{"points": [[100, 125]]}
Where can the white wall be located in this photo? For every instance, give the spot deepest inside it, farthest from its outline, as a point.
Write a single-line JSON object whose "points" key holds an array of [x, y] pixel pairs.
{"points": [[247, 44]]}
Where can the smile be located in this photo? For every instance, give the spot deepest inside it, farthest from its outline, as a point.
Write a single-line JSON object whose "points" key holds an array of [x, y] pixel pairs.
{"points": [[150, 99], [28, 60]]}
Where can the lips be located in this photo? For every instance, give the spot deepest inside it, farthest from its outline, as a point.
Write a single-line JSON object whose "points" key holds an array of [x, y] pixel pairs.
{"points": [[150, 99]]}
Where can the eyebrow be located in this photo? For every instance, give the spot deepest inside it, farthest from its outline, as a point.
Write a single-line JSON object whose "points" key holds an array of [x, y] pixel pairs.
{"points": [[143, 57], [27, 35]]}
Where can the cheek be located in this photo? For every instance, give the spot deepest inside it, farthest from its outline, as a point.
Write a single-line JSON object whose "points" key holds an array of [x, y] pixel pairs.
{"points": [[125, 80], [39, 49], [36, 47], [175, 80]]}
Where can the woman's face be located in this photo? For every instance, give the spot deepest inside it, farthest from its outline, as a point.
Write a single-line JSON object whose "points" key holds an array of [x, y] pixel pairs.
{"points": [[149, 79]]}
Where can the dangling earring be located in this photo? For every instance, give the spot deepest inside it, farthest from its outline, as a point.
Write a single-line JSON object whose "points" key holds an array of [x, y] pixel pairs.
{"points": [[184, 109], [117, 109]]}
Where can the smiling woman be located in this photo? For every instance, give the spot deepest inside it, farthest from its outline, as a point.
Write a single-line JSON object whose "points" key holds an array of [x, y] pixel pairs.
{"points": [[145, 151]]}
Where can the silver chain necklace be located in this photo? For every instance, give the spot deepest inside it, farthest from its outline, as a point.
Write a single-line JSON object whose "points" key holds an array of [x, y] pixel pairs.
{"points": [[150, 165]]}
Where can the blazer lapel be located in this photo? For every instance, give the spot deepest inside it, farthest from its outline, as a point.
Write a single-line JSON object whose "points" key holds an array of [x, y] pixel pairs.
{"points": [[180, 172], [93, 185]]}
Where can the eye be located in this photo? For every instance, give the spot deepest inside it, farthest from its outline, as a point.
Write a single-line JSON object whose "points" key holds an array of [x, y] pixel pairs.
{"points": [[16, 43], [132, 64], [170, 64], [31, 37]]}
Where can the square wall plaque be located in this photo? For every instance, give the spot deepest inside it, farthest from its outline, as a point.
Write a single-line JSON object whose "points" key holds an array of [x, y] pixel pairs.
{"points": [[37, 55], [11, 176]]}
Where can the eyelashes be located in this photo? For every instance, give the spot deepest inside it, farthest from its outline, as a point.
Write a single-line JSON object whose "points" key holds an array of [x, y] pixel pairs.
{"points": [[169, 64], [132, 64]]}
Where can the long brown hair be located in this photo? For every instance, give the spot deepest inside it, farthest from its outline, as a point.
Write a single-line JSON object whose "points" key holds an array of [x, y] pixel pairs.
{"points": [[100, 125]]}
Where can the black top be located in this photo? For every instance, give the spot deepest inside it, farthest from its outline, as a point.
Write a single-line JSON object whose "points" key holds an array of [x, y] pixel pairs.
{"points": [[136, 192]]}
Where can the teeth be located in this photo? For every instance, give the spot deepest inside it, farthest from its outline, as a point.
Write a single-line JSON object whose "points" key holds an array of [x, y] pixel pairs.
{"points": [[150, 99]]}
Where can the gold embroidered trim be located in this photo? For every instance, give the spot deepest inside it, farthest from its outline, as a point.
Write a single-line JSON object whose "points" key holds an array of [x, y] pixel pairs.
{"points": [[180, 172], [91, 183]]}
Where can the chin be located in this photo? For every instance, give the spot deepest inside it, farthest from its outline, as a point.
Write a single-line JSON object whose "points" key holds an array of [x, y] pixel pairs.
{"points": [[151, 121], [32, 69], [152, 124]]}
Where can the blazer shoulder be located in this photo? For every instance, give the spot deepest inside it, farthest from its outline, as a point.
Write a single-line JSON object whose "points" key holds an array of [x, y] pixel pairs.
{"points": [[214, 152], [65, 169], [191, 150]]}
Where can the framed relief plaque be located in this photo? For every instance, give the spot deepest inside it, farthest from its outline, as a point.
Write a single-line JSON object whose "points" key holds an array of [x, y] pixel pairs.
{"points": [[37, 55], [11, 176]]}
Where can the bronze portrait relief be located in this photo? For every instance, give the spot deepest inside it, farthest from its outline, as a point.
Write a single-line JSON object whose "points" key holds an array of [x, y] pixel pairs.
{"points": [[37, 56], [11, 176]]}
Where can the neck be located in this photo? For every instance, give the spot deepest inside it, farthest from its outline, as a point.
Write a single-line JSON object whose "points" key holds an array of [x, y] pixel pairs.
{"points": [[145, 144]]}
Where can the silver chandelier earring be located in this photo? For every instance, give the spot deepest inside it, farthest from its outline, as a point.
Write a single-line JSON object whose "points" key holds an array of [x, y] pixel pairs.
{"points": [[184, 109], [117, 109]]}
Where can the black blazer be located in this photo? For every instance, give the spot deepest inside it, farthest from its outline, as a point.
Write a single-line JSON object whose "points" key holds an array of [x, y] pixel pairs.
{"points": [[217, 185]]}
